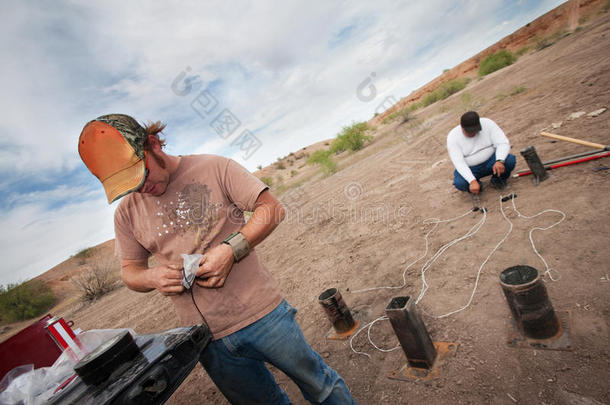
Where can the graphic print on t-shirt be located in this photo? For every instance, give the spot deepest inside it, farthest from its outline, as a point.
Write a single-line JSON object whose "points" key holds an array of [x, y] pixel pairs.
{"points": [[192, 213]]}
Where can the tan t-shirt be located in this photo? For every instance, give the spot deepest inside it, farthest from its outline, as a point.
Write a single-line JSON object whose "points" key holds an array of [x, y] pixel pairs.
{"points": [[203, 204]]}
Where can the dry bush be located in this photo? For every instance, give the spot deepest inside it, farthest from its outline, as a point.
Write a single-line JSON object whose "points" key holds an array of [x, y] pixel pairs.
{"points": [[99, 279]]}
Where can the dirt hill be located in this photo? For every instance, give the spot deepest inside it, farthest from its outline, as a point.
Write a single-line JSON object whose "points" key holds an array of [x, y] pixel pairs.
{"points": [[542, 32], [362, 226]]}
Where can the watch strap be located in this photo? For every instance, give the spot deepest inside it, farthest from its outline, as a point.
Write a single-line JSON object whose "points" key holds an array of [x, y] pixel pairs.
{"points": [[239, 244]]}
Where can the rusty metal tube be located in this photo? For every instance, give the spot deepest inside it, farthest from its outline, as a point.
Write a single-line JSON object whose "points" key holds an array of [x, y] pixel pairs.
{"points": [[529, 302], [337, 311], [411, 332]]}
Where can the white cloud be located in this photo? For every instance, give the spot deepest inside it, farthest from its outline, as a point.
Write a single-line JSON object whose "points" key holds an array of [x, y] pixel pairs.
{"points": [[288, 71], [34, 239]]}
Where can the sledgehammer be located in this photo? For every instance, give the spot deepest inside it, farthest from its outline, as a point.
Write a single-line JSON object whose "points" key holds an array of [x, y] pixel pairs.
{"points": [[574, 140]]}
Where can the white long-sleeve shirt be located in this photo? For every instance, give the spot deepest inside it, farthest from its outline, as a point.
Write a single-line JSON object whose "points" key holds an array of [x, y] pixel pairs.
{"points": [[465, 151]]}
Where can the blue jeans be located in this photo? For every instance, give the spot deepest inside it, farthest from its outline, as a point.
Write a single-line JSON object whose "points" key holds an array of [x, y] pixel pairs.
{"points": [[484, 169], [236, 363]]}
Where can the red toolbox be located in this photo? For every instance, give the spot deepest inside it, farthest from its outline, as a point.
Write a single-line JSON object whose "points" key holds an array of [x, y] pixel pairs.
{"points": [[33, 345]]}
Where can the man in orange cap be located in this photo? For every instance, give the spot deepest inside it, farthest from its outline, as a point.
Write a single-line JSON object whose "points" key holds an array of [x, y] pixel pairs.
{"points": [[175, 205]]}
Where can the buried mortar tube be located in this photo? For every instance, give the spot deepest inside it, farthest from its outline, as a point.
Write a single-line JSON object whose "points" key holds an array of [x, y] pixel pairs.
{"points": [[529, 302], [337, 311], [534, 163], [411, 332]]}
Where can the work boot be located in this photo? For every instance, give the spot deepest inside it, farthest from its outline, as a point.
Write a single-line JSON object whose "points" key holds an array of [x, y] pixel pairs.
{"points": [[498, 183]]}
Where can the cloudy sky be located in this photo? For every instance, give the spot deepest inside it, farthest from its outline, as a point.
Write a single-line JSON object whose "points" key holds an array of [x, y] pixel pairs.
{"points": [[279, 75]]}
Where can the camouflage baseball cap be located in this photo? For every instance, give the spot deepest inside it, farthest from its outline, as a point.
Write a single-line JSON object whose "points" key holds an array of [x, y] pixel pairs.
{"points": [[112, 148]]}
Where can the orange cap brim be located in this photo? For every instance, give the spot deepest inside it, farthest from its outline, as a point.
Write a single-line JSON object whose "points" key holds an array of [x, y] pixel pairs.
{"points": [[125, 181]]}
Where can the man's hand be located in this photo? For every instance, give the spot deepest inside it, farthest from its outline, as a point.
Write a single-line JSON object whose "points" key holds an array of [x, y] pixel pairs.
{"points": [[498, 168], [474, 187], [166, 279], [215, 266]]}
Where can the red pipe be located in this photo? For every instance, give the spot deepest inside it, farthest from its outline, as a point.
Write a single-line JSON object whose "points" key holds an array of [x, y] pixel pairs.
{"points": [[571, 162]]}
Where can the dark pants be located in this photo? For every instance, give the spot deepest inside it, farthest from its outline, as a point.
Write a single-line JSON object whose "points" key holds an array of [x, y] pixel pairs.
{"points": [[484, 169]]}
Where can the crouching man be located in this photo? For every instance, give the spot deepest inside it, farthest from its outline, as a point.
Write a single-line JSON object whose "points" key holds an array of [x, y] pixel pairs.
{"points": [[478, 148]]}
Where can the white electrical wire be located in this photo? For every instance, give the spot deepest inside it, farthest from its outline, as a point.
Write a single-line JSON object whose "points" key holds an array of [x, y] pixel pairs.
{"points": [[434, 221], [476, 282], [548, 271], [473, 230]]}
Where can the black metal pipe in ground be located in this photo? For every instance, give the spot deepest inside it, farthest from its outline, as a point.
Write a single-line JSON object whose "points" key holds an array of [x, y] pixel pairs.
{"points": [[411, 332], [534, 163], [529, 302], [336, 309]]}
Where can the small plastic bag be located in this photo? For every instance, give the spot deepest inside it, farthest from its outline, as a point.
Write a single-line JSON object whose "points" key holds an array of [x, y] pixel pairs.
{"points": [[191, 265]]}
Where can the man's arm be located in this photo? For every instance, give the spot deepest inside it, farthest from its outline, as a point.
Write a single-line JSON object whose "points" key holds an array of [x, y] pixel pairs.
{"points": [[458, 160], [217, 262], [501, 145], [267, 215], [499, 141], [139, 277]]}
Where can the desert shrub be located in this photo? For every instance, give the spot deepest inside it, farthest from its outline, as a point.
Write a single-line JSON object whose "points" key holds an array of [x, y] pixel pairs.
{"points": [[518, 90], [293, 173], [85, 253], [280, 164], [522, 51], [543, 43], [99, 280], [324, 159], [444, 90], [259, 167], [550, 40], [496, 61], [415, 106], [21, 301], [470, 103], [404, 114], [318, 156], [267, 180], [329, 166], [351, 138]]}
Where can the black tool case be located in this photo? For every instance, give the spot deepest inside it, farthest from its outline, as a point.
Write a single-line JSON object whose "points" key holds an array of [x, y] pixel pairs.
{"points": [[118, 374]]}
